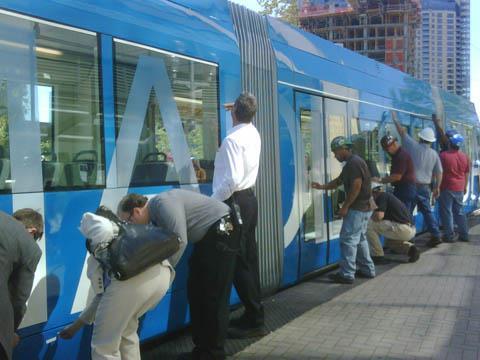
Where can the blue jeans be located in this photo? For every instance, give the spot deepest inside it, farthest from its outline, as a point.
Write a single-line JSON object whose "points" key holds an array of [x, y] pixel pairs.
{"points": [[423, 204], [406, 193], [451, 211], [354, 245]]}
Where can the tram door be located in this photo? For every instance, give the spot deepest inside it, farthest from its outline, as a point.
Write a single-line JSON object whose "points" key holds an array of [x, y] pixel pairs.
{"points": [[314, 164]]}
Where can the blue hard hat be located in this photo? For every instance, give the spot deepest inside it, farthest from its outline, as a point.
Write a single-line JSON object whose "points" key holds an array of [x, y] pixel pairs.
{"points": [[456, 139], [451, 132]]}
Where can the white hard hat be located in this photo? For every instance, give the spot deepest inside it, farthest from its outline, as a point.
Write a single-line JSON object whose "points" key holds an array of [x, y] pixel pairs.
{"points": [[427, 134]]}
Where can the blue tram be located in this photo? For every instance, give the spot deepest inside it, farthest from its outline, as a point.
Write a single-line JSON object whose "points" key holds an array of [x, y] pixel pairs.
{"points": [[102, 98]]}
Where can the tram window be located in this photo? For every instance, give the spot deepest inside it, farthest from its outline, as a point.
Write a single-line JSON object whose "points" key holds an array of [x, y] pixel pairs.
{"points": [[306, 131], [467, 133], [455, 125], [195, 91], [354, 125], [468, 141], [416, 127], [477, 137], [50, 76], [336, 127], [366, 144]]}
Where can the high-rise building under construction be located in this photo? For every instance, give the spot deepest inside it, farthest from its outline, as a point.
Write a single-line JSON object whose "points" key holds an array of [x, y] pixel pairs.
{"points": [[384, 30], [429, 39]]}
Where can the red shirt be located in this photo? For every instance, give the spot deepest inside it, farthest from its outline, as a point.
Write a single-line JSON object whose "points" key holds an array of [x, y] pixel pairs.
{"points": [[456, 166]]}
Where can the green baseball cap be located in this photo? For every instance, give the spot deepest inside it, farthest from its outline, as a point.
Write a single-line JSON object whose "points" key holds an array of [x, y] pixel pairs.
{"points": [[340, 142]]}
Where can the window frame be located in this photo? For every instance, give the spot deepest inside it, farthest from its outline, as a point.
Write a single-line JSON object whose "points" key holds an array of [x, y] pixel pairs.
{"points": [[99, 71], [163, 51]]}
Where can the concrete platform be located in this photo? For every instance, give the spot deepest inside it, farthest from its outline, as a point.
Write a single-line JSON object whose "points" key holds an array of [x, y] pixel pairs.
{"points": [[426, 310]]}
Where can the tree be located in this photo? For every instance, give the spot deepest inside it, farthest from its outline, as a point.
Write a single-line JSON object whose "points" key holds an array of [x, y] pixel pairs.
{"points": [[286, 10]]}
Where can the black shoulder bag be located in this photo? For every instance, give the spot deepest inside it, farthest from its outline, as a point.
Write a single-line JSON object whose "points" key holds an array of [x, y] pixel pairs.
{"points": [[135, 249]]}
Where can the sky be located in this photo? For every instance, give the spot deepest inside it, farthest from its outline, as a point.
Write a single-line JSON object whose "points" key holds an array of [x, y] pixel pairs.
{"points": [[474, 46]]}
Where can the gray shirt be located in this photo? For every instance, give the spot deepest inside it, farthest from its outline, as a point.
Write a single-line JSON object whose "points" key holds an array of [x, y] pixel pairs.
{"points": [[425, 160], [186, 213]]}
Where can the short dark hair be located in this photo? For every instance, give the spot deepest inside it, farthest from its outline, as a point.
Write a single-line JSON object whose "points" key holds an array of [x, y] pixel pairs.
{"points": [[29, 218], [130, 202], [245, 107]]}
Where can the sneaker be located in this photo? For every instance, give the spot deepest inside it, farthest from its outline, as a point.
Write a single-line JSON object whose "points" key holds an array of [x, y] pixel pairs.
{"points": [[379, 260], [463, 239], [361, 274], [434, 241], [339, 279], [413, 254], [246, 333]]}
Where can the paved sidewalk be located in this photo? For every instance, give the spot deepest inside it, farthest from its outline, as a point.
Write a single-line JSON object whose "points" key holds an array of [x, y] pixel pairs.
{"points": [[426, 310]]}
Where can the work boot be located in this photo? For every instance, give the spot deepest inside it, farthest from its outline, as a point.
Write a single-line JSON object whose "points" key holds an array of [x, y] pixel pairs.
{"points": [[434, 241], [361, 274], [413, 254], [340, 279], [444, 239]]}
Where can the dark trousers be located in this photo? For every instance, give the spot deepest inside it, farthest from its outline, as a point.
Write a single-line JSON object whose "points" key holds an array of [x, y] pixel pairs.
{"points": [[246, 278], [209, 285], [3, 354]]}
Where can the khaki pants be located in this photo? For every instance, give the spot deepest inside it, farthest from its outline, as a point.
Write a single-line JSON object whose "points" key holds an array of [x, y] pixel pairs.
{"points": [[116, 321], [397, 236]]}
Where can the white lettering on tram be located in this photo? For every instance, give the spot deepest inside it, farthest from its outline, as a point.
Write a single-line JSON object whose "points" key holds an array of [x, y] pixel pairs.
{"points": [[150, 73]]}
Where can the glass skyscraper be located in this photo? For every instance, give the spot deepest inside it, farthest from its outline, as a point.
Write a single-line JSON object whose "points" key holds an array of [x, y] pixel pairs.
{"points": [[443, 48]]}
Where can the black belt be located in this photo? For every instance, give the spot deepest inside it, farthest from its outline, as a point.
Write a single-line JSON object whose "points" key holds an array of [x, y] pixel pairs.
{"points": [[244, 191], [420, 184]]}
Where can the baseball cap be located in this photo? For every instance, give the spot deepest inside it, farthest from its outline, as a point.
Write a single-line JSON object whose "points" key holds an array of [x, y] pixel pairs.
{"points": [[339, 142], [387, 140]]}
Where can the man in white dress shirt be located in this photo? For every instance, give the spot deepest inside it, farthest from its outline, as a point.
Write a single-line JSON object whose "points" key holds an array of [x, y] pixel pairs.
{"points": [[236, 169]]}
